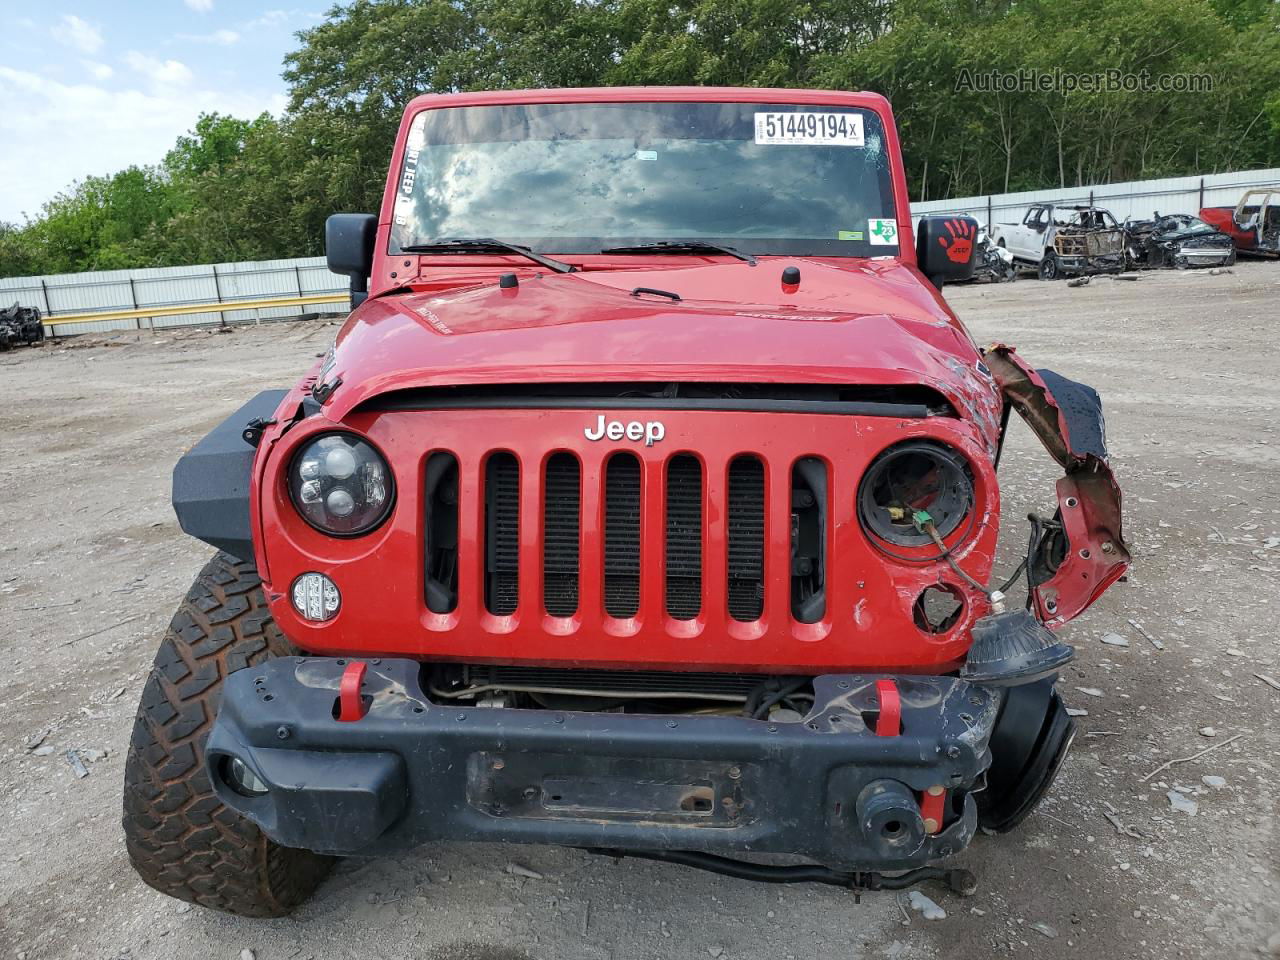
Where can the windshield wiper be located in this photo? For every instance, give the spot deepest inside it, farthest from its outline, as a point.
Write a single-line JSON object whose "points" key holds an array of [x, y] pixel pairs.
{"points": [[683, 246], [486, 245]]}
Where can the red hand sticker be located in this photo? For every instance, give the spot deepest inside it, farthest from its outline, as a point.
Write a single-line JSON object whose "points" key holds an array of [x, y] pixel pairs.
{"points": [[959, 245]]}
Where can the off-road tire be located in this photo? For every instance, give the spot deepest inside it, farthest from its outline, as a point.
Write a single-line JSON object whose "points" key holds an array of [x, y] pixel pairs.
{"points": [[1049, 269], [181, 838]]}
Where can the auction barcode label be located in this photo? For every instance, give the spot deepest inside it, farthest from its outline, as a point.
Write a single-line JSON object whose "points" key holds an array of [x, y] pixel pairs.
{"points": [[815, 129]]}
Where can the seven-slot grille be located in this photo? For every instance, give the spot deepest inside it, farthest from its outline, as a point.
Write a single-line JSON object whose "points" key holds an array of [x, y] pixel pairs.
{"points": [[680, 497]]}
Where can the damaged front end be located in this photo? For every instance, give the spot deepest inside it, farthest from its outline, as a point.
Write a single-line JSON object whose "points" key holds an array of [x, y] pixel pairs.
{"points": [[1081, 552]]}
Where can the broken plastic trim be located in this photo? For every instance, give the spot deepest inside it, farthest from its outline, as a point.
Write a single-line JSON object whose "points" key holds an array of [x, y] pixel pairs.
{"points": [[1068, 421]]}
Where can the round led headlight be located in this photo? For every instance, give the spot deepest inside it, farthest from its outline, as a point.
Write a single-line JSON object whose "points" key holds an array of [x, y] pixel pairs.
{"points": [[341, 485], [910, 477]]}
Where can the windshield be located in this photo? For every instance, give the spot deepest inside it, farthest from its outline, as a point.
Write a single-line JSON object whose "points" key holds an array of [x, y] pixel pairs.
{"points": [[579, 178], [1183, 223]]}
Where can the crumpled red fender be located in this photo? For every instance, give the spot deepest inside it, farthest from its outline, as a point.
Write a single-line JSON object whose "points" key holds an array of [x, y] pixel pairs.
{"points": [[1071, 428]]}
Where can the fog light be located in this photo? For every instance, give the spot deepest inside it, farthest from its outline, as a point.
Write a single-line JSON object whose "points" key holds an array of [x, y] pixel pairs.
{"points": [[243, 780], [316, 597]]}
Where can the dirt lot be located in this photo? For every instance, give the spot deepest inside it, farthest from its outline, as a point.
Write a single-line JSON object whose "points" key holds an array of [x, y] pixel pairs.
{"points": [[92, 564]]}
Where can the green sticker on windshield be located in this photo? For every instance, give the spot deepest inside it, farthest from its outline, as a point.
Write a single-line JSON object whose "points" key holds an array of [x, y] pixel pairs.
{"points": [[884, 233], [850, 235]]}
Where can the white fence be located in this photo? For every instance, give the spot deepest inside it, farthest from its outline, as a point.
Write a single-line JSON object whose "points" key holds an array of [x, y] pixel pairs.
{"points": [[116, 290], [1137, 200]]}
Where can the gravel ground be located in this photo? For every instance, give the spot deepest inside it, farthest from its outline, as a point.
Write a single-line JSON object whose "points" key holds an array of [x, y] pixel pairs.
{"points": [[92, 564]]}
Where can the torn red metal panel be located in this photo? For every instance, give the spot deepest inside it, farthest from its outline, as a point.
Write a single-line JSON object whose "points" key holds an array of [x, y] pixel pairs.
{"points": [[1070, 427]]}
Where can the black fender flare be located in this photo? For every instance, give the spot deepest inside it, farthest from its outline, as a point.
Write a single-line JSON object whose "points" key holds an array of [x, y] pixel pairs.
{"points": [[211, 480]]}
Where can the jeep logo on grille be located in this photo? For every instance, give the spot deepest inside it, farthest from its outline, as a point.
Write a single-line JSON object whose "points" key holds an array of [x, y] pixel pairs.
{"points": [[650, 432]]}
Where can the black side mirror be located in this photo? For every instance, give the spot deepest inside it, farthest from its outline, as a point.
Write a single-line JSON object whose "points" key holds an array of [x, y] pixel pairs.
{"points": [[348, 246], [946, 247]]}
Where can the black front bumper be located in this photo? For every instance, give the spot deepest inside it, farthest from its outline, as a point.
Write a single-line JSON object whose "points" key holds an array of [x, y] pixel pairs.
{"points": [[410, 771]]}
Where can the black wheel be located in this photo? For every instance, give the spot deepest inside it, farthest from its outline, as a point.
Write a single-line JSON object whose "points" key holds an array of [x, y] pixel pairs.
{"points": [[1031, 739], [1231, 258], [181, 838], [1049, 269]]}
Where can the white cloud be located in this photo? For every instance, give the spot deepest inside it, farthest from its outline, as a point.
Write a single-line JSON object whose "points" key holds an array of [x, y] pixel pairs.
{"points": [[223, 38], [272, 18], [163, 74], [100, 71], [88, 130], [199, 6], [76, 33]]}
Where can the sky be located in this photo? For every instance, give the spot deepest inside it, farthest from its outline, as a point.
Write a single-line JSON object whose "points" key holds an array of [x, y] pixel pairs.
{"points": [[90, 87]]}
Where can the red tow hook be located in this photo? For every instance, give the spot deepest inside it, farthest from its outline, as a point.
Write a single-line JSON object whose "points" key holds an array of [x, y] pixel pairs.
{"points": [[350, 703], [933, 808], [889, 723]]}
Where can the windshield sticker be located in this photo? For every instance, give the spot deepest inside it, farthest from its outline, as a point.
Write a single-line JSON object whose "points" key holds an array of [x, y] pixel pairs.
{"points": [[809, 129], [850, 235], [646, 154], [884, 233]]}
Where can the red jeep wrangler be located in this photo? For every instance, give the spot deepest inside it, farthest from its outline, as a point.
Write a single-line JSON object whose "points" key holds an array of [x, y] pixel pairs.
{"points": [[646, 503]]}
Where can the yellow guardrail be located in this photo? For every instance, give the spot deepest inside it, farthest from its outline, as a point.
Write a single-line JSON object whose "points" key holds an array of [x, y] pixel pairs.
{"points": [[226, 306]]}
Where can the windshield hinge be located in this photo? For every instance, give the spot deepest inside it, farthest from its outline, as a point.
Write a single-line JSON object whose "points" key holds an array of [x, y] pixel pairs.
{"points": [[252, 432]]}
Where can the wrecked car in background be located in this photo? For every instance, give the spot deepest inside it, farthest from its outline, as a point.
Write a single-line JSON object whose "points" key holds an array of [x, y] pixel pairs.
{"points": [[19, 325], [630, 513], [1253, 224], [1060, 240], [1176, 240], [993, 262]]}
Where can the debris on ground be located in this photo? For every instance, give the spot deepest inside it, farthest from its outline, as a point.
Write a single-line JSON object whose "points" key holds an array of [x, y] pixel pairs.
{"points": [[1195, 756], [1208, 731], [36, 739], [1115, 640], [925, 907], [1142, 630], [1213, 783], [516, 870], [1123, 828], [1091, 691], [1045, 930], [1077, 712], [1182, 803], [1269, 681], [77, 765], [1079, 282]]}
